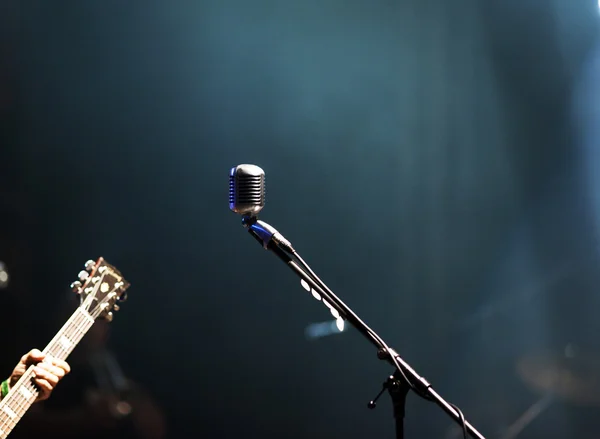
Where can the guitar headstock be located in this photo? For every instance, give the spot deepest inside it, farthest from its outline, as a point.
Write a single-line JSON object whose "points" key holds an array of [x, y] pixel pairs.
{"points": [[100, 288]]}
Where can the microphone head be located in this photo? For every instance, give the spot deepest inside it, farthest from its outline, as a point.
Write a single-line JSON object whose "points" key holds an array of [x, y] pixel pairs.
{"points": [[246, 189]]}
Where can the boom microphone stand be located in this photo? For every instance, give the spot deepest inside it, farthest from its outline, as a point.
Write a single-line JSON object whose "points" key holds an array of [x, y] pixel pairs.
{"points": [[404, 378]]}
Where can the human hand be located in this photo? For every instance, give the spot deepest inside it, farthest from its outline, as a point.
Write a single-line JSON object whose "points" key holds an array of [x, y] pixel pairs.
{"points": [[47, 372]]}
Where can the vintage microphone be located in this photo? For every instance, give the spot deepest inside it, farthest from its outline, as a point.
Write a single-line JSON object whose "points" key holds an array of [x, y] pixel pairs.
{"points": [[247, 198]]}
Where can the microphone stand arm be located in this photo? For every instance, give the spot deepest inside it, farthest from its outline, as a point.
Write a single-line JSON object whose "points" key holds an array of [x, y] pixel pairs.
{"points": [[405, 377]]}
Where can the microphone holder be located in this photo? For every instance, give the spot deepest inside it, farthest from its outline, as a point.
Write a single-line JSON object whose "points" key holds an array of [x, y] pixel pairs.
{"points": [[404, 378]]}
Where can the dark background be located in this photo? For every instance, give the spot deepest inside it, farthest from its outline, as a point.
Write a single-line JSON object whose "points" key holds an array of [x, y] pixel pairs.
{"points": [[435, 162]]}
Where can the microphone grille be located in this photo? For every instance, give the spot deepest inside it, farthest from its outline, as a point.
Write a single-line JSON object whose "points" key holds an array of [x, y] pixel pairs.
{"points": [[246, 189]]}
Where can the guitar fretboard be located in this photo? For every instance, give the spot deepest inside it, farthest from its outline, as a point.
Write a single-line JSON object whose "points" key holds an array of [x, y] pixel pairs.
{"points": [[24, 392]]}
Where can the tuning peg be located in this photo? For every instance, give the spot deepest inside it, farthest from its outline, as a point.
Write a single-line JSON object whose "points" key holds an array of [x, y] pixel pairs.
{"points": [[76, 286], [83, 275], [116, 307], [109, 316], [89, 265], [122, 297]]}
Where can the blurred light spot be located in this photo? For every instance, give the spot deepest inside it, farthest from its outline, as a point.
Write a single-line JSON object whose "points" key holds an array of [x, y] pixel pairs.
{"points": [[123, 408], [3, 276], [324, 329]]}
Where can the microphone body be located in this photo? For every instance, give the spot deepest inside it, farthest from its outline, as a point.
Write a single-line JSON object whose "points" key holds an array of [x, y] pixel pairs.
{"points": [[246, 190]]}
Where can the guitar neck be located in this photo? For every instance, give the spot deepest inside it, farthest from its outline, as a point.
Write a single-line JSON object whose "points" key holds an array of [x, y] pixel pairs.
{"points": [[24, 393]]}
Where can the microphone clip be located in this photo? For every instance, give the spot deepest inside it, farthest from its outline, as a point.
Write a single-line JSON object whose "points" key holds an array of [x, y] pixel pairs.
{"points": [[266, 234]]}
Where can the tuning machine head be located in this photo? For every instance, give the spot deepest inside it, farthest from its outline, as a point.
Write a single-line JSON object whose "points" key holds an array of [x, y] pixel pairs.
{"points": [[83, 275], [76, 287], [89, 265]]}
